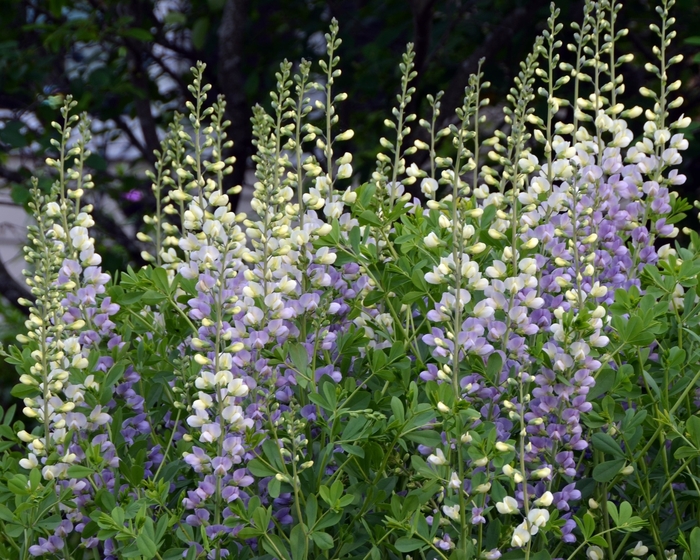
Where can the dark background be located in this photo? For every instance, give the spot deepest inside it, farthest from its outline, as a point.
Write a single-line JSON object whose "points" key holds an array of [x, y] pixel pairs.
{"points": [[127, 63]]}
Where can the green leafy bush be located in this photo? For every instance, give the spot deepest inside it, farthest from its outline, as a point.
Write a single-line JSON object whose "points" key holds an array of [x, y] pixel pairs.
{"points": [[508, 369]]}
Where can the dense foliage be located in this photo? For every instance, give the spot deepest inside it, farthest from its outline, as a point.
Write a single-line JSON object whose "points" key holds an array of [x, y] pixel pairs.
{"points": [[507, 370]]}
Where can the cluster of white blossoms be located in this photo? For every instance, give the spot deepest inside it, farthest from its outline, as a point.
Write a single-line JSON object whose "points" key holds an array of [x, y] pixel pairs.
{"points": [[70, 315], [535, 519]]}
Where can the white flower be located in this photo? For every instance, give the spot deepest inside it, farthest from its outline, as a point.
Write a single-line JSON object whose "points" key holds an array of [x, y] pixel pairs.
{"points": [[639, 549], [507, 506], [98, 417], [433, 278], [528, 266], [542, 473], [455, 483], [53, 209], [451, 511], [238, 388], [438, 458], [498, 270], [198, 419], [595, 553], [30, 462], [413, 171], [537, 517], [322, 184], [442, 407], [323, 256], [314, 199], [203, 402], [349, 196], [345, 171], [431, 240], [521, 536], [545, 499], [661, 136], [429, 186]]}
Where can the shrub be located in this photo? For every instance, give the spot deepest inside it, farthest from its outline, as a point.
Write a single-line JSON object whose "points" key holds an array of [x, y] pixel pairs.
{"points": [[507, 369]]}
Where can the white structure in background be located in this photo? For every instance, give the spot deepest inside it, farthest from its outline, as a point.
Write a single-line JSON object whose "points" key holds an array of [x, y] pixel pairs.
{"points": [[13, 234]]}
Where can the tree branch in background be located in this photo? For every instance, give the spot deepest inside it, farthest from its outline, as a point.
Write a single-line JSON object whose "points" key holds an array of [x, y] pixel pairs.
{"points": [[126, 129], [230, 81], [422, 11], [492, 43], [143, 109]]}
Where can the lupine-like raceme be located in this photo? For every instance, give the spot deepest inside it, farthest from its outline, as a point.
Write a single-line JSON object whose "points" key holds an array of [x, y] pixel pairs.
{"points": [[574, 229], [70, 325], [282, 337]]}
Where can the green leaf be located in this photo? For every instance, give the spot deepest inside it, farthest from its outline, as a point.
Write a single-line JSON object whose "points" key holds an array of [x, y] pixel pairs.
{"points": [[329, 520], [603, 383], [161, 528], [605, 443], [6, 514], [598, 540], [625, 512], [297, 541], [320, 401], [493, 367], [140, 34], [14, 531], [346, 500], [407, 544], [322, 540], [605, 472], [695, 544], [652, 384], [397, 409], [199, 32], [299, 356], [272, 453], [353, 449], [114, 374], [78, 471], [429, 438], [311, 509], [146, 545], [118, 515], [160, 279], [274, 545], [685, 452], [369, 218], [693, 427], [18, 485], [22, 391], [258, 468], [355, 237], [274, 487]]}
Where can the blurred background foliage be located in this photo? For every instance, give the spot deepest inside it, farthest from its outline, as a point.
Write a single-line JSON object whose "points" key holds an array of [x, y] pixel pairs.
{"points": [[127, 63]]}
